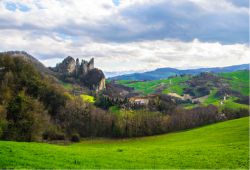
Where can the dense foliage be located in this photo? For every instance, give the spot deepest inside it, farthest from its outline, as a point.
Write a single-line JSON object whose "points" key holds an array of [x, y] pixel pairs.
{"points": [[29, 101]]}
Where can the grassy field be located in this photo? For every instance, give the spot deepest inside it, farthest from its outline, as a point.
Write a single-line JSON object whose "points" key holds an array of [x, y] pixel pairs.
{"points": [[239, 81], [87, 98], [67, 86], [221, 145], [145, 87], [170, 85]]}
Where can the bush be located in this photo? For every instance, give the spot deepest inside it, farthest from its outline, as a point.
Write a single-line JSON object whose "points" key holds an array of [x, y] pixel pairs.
{"points": [[75, 137], [53, 134], [243, 100], [235, 113]]}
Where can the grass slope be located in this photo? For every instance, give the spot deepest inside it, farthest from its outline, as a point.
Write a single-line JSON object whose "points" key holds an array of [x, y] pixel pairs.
{"points": [[239, 81], [170, 85], [67, 86], [222, 145]]}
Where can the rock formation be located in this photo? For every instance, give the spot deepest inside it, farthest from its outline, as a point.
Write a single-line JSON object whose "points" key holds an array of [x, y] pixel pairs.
{"points": [[85, 71], [70, 66], [67, 67], [95, 80]]}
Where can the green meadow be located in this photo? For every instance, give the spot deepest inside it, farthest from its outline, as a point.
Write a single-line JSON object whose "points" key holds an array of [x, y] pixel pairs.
{"points": [[87, 98], [221, 145], [170, 85], [239, 80]]}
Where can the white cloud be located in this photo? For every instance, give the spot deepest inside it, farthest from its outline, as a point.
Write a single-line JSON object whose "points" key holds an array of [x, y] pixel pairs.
{"points": [[50, 14], [142, 55], [148, 55], [131, 20], [134, 35], [219, 5]]}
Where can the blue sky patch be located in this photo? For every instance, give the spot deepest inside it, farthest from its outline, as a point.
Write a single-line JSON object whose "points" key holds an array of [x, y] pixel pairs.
{"points": [[116, 2], [16, 6]]}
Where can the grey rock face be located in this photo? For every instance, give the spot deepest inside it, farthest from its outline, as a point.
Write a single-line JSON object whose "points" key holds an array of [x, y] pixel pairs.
{"points": [[84, 67], [91, 64], [67, 66]]}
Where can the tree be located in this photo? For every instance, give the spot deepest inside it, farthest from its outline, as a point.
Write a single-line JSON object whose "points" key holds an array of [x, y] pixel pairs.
{"points": [[27, 119], [3, 121]]}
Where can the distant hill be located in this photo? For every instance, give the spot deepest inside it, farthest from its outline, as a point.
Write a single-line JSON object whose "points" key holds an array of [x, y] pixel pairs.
{"points": [[162, 73], [117, 73]]}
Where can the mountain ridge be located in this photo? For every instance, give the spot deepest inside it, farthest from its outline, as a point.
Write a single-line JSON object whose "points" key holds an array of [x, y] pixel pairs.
{"points": [[161, 73]]}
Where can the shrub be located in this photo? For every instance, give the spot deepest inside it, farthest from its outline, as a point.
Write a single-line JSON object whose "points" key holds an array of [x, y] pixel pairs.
{"points": [[243, 100], [75, 137], [53, 133], [235, 113]]}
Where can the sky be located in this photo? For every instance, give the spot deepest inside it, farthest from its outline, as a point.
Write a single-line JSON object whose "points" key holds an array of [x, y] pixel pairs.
{"points": [[129, 35]]}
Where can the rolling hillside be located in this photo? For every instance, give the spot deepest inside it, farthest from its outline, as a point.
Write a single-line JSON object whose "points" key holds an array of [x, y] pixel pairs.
{"points": [[237, 81], [175, 85], [221, 145]]}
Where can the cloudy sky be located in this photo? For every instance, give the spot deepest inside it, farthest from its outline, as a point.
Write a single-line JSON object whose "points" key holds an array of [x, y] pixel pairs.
{"points": [[124, 35]]}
